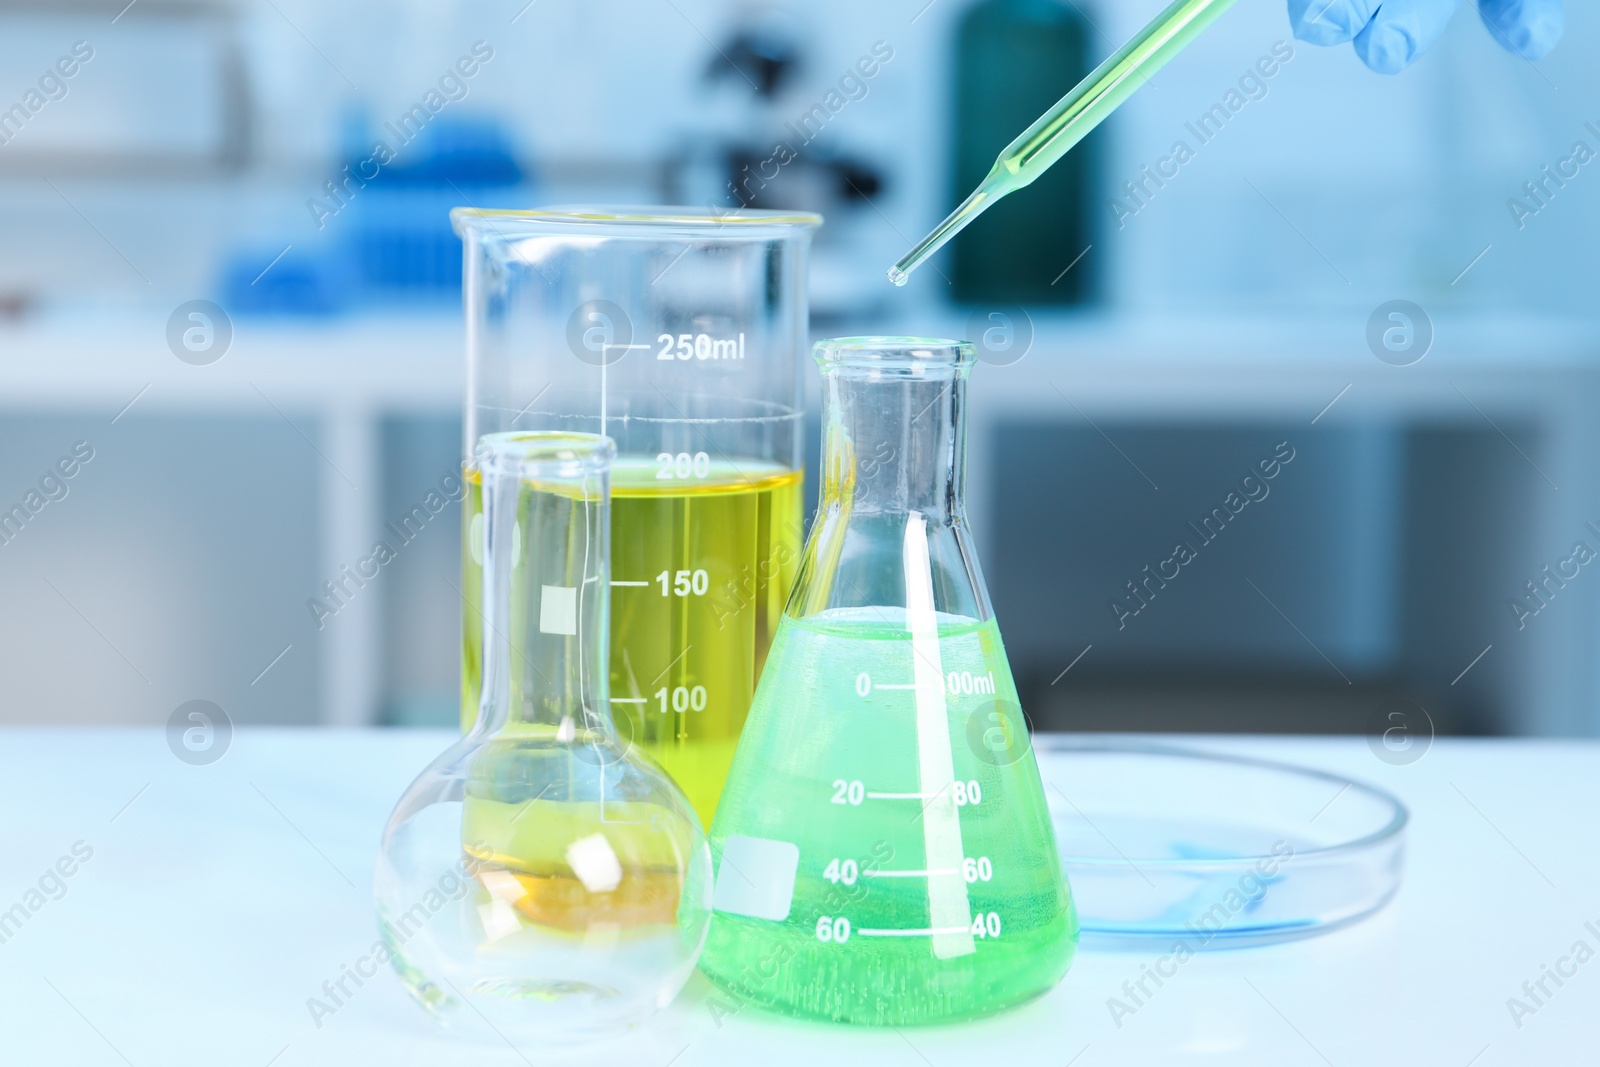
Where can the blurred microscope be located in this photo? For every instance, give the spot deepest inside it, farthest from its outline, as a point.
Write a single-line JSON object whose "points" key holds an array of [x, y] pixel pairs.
{"points": [[763, 143]]}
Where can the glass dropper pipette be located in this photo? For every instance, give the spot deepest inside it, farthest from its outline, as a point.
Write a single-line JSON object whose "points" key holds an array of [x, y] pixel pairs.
{"points": [[1073, 116]]}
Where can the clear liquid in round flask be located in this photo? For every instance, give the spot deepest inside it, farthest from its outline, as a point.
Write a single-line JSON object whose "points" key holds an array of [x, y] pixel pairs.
{"points": [[542, 880]]}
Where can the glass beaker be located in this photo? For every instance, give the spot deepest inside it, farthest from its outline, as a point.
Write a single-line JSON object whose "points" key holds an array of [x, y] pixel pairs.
{"points": [[884, 850], [539, 876], [678, 333]]}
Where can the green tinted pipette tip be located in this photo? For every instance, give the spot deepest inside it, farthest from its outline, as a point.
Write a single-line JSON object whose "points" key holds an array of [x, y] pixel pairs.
{"points": [[1073, 116], [981, 197]]}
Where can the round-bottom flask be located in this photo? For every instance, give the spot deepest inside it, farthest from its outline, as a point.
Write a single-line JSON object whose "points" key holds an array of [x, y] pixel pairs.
{"points": [[884, 849], [538, 881]]}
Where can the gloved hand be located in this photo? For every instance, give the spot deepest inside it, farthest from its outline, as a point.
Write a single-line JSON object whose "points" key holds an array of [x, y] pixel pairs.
{"points": [[1389, 34]]}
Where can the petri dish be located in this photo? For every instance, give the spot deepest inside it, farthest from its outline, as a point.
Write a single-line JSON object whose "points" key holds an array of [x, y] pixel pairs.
{"points": [[1166, 843]]}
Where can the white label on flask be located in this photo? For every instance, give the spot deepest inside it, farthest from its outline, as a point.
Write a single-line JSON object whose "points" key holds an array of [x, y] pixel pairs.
{"points": [[949, 909], [558, 609], [756, 877], [595, 863], [499, 919]]}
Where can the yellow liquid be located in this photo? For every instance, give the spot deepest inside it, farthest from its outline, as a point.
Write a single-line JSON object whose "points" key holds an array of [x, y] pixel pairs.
{"points": [[556, 900], [711, 560], [518, 852]]}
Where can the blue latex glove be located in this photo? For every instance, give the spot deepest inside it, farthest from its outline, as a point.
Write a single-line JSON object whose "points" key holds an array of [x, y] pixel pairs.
{"points": [[1389, 34]]}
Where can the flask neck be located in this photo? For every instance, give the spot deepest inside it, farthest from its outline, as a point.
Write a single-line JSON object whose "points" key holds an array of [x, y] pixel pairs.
{"points": [[546, 596], [894, 440]]}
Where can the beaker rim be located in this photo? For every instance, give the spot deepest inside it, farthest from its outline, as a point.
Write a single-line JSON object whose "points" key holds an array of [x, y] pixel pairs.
{"points": [[895, 352], [544, 453], [651, 216]]}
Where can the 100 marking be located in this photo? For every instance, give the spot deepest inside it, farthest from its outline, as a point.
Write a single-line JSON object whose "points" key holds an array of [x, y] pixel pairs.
{"points": [[682, 698]]}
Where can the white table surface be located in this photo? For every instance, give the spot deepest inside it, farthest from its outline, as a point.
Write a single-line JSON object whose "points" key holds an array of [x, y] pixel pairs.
{"points": [[219, 898]]}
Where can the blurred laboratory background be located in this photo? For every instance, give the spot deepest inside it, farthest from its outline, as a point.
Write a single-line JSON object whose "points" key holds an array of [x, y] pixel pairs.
{"points": [[1203, 293]]}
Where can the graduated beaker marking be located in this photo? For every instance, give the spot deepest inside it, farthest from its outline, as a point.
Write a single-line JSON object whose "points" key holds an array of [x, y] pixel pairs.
{"points": [[686, 347], [956, 683]]}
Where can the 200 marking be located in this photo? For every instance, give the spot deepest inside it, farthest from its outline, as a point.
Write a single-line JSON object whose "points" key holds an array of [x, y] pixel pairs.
{"points": [[682, 465]]}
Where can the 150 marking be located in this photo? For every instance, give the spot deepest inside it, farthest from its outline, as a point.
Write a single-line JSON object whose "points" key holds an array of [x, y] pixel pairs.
{"points": [[684, 583]]}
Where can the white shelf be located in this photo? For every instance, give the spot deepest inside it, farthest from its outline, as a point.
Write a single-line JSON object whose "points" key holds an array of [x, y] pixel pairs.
{"points": [[338, 379]]}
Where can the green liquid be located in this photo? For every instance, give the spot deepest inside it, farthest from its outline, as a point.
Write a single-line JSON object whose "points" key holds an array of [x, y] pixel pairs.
{"points": [[810, 736]]}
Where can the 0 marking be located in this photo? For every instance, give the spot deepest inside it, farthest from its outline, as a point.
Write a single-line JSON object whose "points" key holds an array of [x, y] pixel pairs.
{"points": [[956, 684]]}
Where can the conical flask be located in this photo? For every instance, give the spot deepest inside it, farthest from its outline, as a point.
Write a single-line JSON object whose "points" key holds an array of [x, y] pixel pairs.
{"points": [[539, 880], [883, 847]]}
